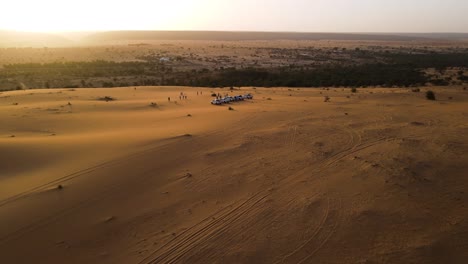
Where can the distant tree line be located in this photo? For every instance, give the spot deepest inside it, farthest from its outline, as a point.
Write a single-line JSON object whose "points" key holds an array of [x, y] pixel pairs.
{"points": [[392, 69], [346, 76]]}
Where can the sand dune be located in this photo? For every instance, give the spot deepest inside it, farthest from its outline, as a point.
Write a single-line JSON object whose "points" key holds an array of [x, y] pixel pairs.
{"points": [[373, 177]]}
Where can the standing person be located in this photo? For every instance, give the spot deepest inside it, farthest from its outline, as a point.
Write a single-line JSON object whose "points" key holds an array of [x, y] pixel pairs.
{"points": [[169, 99]]}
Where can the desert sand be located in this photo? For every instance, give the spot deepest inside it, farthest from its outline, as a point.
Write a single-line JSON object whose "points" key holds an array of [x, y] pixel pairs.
{"points": [[379, 176]]}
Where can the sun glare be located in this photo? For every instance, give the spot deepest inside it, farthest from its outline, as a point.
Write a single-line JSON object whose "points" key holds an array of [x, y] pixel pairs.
{"points": [[86, 15]]}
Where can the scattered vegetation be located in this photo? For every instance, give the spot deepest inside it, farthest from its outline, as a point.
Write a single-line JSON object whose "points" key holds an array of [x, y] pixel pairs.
{"points": [[340, 68], [430, 95]]}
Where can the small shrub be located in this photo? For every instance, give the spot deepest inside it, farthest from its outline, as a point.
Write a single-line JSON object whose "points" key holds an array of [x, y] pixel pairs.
{"points": [[213, 95], [353, 90], [430, 95], [269, 99], [106, 98], [231, 109], [327, 99], [416, 90]]}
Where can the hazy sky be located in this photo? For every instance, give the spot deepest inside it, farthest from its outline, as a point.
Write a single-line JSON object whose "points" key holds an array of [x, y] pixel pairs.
{"points": [[249, 15]]}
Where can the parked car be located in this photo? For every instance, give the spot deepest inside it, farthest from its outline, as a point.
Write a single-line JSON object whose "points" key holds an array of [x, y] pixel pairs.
{"points": [[216, 102], [228, 99]]}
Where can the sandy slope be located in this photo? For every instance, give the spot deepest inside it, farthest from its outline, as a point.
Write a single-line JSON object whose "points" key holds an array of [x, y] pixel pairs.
{"points": [[379, 177]]}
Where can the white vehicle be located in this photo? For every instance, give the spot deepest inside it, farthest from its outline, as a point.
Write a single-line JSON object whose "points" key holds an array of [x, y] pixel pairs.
{"points": [[216, 102], [229, 99]]}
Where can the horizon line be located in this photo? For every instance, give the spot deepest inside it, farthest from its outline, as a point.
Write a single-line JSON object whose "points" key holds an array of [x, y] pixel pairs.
{"points": [[233, 31]]}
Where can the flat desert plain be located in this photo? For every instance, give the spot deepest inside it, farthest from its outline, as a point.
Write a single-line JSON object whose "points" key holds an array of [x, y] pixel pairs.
{"points": [[377, 176]]}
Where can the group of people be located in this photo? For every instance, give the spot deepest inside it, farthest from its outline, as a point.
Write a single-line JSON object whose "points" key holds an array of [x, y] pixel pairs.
{"points": [[183, 96], [219, 96]]}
